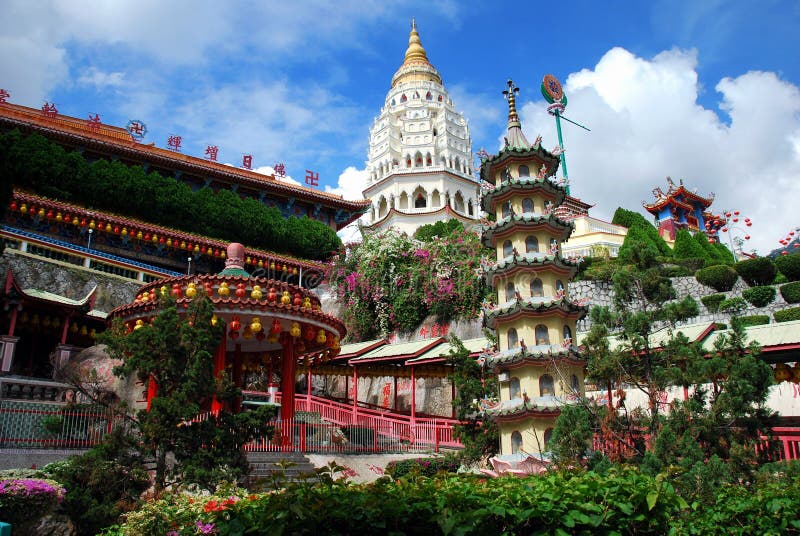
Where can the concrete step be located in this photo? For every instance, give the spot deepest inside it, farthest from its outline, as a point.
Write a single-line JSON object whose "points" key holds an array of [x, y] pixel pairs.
{"points": [[265, 465]]}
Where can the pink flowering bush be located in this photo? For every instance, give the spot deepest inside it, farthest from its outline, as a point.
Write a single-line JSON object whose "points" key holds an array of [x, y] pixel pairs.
{"points": [[391, 282], [25, 499]]}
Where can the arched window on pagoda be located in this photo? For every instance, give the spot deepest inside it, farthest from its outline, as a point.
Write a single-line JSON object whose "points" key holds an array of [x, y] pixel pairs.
{"points": [[514, 388], [575, 385], [408, 161], [458, 201], [506, 209], [513, 340], [383, 207], [508, 248], [393, 103], [469, 208], [416, 94], [428, 96], [527, 205], [559, 285], [516, 439], [403, 201], [511, 291], [546, 385], [436, 199], [403, 98], [537, 288], [548, 435], [428, 159], [440, 98], [531, 244], [567, 332], [418, 160], [420, 201], [542, 335], [524, 171]]}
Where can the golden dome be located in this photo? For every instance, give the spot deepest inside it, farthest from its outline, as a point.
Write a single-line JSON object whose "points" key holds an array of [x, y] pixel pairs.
{"points": [[416, 65]]}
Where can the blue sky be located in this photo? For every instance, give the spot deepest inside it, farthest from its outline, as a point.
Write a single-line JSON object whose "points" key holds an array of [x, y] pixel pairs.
{"points": [[706, 91]]}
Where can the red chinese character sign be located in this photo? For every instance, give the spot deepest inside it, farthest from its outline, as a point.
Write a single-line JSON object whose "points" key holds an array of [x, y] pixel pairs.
{"points": [[94, 121], [211, 152], [137, 129], [312, 179], [280, 169], [174, 143], [49, 110], [4, 95], [247, 161]]}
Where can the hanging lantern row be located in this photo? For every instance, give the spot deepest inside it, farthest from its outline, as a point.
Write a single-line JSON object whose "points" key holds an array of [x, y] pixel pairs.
{"points": [[784, 372], [790, 236], [144, 235], [48, 323], [239, 290]]}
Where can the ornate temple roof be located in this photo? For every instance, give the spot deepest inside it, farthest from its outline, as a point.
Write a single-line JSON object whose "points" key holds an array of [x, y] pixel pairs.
{"points": [[512, 263], [555, 192], [514, 139], [537, 306], [541, 354], [677, 196], [527, 221]]}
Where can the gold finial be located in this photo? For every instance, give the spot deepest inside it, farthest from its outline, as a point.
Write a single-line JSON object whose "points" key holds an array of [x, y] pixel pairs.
{"points": [[512, 103], [413, 23], [415, 52]]}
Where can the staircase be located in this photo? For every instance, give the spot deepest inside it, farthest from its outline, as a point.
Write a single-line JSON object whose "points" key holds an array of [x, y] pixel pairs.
{"points": [[266, 467]]}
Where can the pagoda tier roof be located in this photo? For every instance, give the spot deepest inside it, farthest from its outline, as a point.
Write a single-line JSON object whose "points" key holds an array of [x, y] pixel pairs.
{"points": [[538, 355], [133, 225], [527, 221], [538, 307], [397, 213], [517, 408], [513, 263], [508, 188], [509, 155], [12, 289], [117, 141]]}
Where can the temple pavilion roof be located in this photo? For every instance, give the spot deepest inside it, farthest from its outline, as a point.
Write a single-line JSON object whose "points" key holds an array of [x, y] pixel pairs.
{"points": [[677, 196]]}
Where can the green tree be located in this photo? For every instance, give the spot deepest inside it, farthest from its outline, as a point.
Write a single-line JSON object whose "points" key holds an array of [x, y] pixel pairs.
{"points": [[176, 351], [687, 248], [573, 433], [440, 229], [473, 384]]}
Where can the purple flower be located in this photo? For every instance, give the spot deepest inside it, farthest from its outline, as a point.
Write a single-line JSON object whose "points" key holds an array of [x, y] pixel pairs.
{"points": [[422, 253], [351, 281], [205, 528]]}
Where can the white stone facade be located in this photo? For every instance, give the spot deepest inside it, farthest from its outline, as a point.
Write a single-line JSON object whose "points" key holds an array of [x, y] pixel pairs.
{"points": [[419, 165]]}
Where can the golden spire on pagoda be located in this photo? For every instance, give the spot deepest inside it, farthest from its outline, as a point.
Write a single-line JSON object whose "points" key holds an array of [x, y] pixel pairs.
{"points": [[515, 138], [416, 65]]}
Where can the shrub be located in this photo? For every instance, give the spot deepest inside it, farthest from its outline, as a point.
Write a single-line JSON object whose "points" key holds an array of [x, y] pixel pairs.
{"points": [[733, 305], [721, 278], [759, 296], [758, 271], [423, 466], [27, 499], [787, 315], [724, 253], [687, 248], [714, 255], [712, 301], [630, 219], [789, 266], [754, 320], [791, 292]]}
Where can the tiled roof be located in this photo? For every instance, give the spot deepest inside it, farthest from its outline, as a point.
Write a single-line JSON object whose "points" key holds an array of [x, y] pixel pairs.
{"points": [[525, 221], [532, 260], [556, 192], [534, 405], [532, 354], [534, 305]]}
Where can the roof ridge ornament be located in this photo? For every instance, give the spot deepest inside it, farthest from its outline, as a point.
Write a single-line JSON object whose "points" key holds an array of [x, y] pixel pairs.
{"points": [[515, 138]]}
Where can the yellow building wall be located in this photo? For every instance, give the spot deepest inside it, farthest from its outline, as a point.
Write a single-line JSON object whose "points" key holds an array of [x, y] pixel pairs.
{"points": [[532, 432], [529, 381], [526, 330]]}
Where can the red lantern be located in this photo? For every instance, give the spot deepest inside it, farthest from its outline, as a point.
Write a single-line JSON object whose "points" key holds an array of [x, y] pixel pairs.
{"points": [[50, 214], [272, 295], [724, 229], [235, 324], [784, 253], [735, 220], [309, 334], [298, 300], [727, 214], [240, 290], [147, 236], [176, 290], [747, 237], [749, 223], [276, 327], [13, 205], [736, 212]]}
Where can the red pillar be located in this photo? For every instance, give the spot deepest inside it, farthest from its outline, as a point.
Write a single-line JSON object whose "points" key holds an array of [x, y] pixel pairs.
{"points": [[453, 399], [413, 397], [64, 329], [13, 323], [355, 391], [308, 388], [394, 401], [219, 368], [610, 398], [287, 378], [152, 390]]}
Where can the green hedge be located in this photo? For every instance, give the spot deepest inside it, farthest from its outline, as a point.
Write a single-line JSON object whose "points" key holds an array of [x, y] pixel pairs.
{"points": [[787, 315], [686, 247], [712, 301], [423, 466], [721, 278], [733, 305], [758, 271], [45, 168], [754, 320], [789, 266], [759, 296], [791, 292]]}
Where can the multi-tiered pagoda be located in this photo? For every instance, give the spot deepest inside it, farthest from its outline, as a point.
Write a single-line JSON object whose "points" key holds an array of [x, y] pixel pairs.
{"points": [[537, 361], [678, 209]]}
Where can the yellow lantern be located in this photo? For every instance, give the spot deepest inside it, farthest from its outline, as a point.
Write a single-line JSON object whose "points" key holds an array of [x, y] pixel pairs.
{"points": [[223, 289], [307, 302], [92, 224], [256, 293], [295, 330], [164, 291], [93, 333], [321, 337], [139, 324], [336, 344], [108, 227], [285, 298], [84, 331], [73, 328], [145, 298], [124, 231], [782, 372], [196, 248], [191, 290], [255, 324], [139, 235], [75, 221], [260, 263], [248, 332], [23, 208], [59, 217], [41, 213], [154, 239], [214, 320], [169, 242]]}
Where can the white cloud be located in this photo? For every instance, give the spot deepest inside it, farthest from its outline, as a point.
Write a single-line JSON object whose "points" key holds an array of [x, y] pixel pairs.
{"points": [[99, 79], [351, 183], [646, 124]]}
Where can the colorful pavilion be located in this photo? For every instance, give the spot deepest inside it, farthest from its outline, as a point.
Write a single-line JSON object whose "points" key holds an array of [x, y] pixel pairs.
{"points": [[537, 362], [678, 209]]}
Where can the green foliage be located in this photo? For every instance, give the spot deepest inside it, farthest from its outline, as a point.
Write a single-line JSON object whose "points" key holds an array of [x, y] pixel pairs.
{"points": [[758, 271], [572, 435], [791, 292], [712, 301], [789, 266], [686, 247], [422, 466], [754, 320], [390, 282], [734, 305], [622, 501], [787, 315], [440, 229], [38, 165], [714, 255], [101, 484], [721, 278], [759, 296], [473, 383], [630, 219], [642, 246], [724, 252]]}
